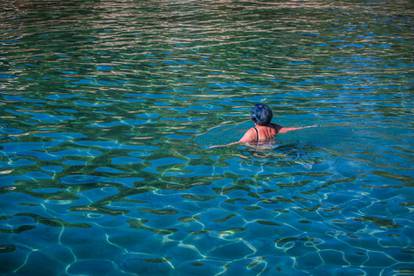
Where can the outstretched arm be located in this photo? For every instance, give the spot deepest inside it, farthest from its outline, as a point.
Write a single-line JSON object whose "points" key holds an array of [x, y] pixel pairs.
{"points": [[225, 145], [287, 129]]}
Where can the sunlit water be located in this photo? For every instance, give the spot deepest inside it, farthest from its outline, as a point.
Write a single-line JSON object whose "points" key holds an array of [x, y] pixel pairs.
{"points": [[107, 110]]}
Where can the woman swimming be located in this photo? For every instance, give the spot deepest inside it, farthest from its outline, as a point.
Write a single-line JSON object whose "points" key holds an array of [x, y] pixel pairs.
{"points": [[264, 131]]}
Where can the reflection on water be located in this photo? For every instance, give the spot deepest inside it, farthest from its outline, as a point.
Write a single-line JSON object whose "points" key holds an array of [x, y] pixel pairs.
{"points": [[107, 110]]}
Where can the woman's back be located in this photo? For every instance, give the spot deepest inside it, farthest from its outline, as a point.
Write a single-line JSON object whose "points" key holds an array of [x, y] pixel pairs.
{"points": [[260, 133]]}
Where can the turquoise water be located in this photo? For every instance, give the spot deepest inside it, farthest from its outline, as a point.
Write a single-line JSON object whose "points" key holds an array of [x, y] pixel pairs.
{"points": [[107, 110]]}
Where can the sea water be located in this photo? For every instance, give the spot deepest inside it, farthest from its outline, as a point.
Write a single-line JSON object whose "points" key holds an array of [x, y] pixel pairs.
{"points": [[108, 109]]}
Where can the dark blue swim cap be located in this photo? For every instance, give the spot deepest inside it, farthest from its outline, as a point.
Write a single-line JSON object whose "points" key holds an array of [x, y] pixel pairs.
{"points": [[261, 114]]}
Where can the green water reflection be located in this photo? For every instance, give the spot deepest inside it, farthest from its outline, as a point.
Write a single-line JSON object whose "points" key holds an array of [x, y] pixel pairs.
{"points": [[107, 110]]}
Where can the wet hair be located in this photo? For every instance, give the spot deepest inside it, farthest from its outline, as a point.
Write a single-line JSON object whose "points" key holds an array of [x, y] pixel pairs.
{"points": [[261, 114]]}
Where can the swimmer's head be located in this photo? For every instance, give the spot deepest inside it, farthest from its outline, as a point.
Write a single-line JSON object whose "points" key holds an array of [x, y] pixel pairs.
{"points": [[261, 114]]}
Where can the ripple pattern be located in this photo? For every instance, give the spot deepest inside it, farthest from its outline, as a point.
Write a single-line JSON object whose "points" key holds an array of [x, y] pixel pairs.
{"points": [[107, 110]]}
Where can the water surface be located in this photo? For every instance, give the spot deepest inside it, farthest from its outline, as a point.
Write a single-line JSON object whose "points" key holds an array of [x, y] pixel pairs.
{"points": [[107, 110]]}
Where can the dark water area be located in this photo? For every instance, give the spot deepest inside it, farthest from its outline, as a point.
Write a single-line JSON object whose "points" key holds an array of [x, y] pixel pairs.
{"points": [[108, 109]]}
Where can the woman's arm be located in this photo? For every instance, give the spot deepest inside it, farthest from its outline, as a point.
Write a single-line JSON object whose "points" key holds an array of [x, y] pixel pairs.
{"points": [[249, 136], [225, 145], [287, 129]]}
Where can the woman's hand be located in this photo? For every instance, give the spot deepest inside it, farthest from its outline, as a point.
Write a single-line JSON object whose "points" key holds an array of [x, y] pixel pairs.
{"points": [[310, 126], [288, 129]]}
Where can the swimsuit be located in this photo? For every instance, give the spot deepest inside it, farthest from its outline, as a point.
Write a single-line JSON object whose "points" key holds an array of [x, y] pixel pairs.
{"points": [[257, 135]]}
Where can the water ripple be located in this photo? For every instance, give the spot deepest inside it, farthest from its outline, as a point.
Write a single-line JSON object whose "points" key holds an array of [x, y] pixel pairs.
{"points": [[107, 110]]}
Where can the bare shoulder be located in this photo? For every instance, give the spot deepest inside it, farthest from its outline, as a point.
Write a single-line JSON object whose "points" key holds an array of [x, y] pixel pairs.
{"points": [[249, 136], [276, 127], [251, 132]]}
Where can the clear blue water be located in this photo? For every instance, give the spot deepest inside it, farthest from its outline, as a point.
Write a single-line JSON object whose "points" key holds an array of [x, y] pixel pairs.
{"points": [[107, 110]]}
